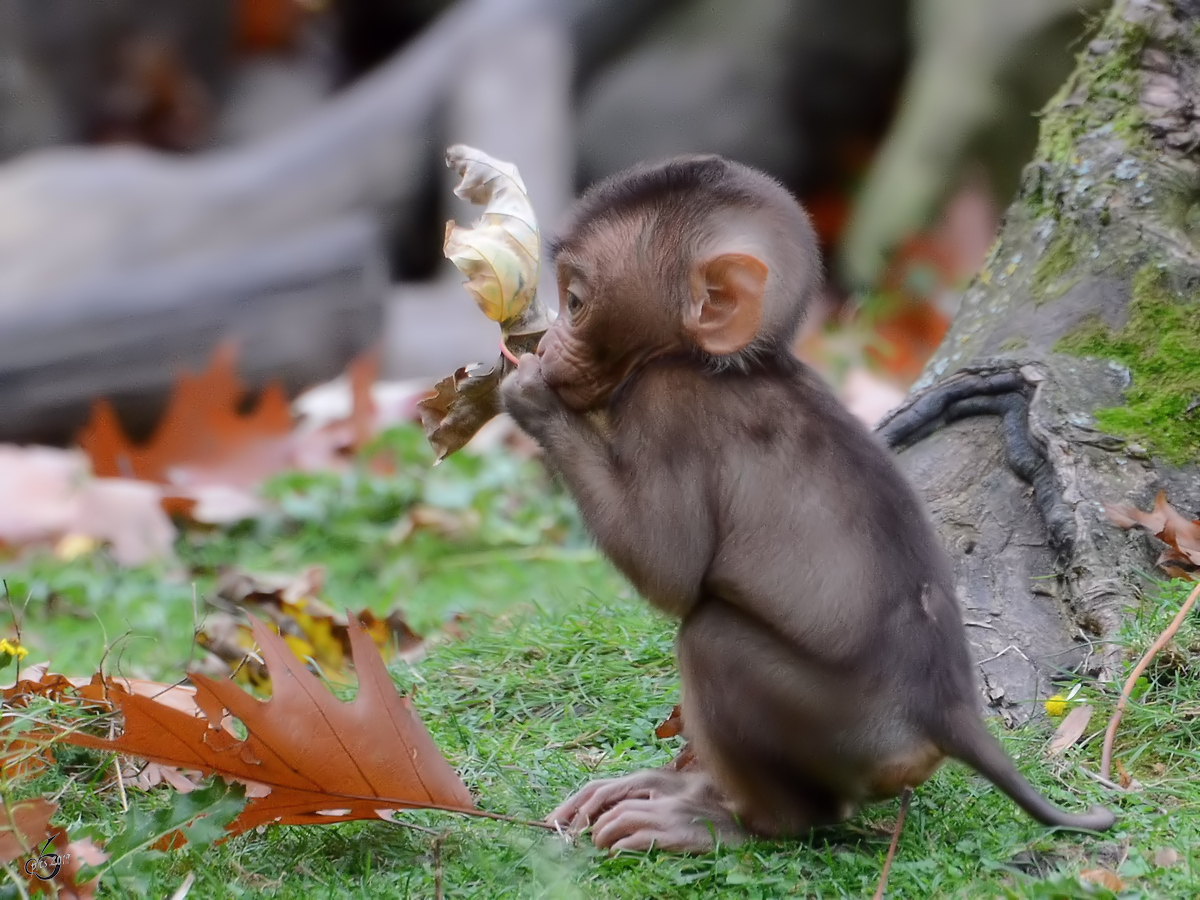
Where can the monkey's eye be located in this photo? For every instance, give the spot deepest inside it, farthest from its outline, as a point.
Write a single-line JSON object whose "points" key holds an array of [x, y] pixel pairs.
{"points": [[574, 304]]}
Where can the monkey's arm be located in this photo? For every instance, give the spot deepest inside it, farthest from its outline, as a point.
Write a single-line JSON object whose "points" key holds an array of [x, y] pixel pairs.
{"points": [[655, 527]]}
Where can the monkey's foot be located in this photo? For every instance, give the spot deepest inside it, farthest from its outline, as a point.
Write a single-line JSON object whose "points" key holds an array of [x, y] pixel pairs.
{"points": [[654, 809]]}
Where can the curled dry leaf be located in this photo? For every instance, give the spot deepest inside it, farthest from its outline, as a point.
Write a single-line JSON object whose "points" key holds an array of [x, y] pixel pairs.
{"points": [[1179, 533], [499, 256], [308, 757], [672, 726], [499, 252], [1070, 730], [461, 404]]}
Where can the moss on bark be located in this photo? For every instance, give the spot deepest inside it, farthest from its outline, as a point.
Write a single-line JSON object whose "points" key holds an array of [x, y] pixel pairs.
{"points": [[1160, 345]]}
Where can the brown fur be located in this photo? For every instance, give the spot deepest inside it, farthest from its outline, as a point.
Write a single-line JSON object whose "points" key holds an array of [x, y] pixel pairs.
{"points": [[821, 647]]}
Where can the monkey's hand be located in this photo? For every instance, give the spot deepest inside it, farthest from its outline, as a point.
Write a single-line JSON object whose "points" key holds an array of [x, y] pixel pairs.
{"points": [[655, 809], [531, 402]]}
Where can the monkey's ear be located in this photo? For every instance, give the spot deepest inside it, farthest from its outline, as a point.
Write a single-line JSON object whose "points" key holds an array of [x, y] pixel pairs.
{"points": [[727, 302]]}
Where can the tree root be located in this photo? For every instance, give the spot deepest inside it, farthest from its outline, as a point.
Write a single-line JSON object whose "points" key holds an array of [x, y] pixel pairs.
{"points": [[997, 389]]}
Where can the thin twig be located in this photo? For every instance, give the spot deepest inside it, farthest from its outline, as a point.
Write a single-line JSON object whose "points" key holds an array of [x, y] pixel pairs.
{"points": [[1111, 785], [1012, 647], [1110, 735], [437, 868], [905, 796]]}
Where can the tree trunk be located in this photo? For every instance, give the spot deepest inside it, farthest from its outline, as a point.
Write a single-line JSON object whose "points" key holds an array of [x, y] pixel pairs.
{"points": [[1070, 377]]}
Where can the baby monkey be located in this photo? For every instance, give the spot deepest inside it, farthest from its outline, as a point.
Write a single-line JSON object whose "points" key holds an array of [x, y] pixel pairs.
{"points": [[821, 649]]}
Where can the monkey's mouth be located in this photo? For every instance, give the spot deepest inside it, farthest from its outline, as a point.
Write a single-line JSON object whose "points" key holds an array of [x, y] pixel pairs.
{"points": [[578, 396]]}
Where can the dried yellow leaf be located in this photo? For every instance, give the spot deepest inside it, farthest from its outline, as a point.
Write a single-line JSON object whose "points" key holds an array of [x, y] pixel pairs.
{"points": [[499, 253]]}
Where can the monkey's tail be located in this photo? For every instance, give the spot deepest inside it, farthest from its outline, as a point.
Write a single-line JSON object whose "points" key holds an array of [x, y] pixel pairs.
{"points": [[970, 741]]}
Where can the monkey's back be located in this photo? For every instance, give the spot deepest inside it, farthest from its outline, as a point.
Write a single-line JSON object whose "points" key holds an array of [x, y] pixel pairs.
{"points": [[817, 532]]}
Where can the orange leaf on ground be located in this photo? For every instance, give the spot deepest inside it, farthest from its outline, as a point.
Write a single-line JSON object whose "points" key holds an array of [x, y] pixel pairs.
{"points": [[318, 759], [1179, 533], [311, 628], [203, 438], [211, 453], [23, 828], [42, 853]]}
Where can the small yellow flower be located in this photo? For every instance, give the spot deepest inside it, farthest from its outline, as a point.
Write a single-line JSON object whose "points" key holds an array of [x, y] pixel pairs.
{"points": [[13, 649], [73, 546], [1056, 705]]}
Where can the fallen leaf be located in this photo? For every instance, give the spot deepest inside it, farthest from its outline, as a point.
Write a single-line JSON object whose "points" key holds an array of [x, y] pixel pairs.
{"points": [[685, 759], [203, 436], [24, 827], [323, 760], [451, 524], [49, 861], [1180, 534], [48, 495], [150, 775], [1070, 730], [208, 454], [1103, 877], [311, 628], [672, 725], [337, 401]]}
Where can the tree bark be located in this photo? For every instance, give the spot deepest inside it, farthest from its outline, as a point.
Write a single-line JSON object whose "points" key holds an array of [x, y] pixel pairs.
{"points": [[1001, 432]]}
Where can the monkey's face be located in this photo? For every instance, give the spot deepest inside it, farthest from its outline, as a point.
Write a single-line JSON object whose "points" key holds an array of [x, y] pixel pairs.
{"points": [[612, 319]]}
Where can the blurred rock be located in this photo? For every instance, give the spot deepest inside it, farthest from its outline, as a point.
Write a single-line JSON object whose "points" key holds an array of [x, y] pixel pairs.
{"points": [[781, 84]]}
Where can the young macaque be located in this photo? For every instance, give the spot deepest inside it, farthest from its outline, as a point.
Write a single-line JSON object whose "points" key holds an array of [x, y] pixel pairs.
{"points": [[821, 648]]}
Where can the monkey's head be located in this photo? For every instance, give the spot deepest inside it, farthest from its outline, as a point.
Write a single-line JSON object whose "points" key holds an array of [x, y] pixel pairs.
{"points": [[696, 255]]}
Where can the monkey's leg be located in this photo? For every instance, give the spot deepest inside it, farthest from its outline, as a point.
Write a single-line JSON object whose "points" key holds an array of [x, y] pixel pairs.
{"points": [[792, 742]]}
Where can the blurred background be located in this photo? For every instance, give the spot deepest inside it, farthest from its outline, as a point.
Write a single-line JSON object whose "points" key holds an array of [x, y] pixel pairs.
{"points": [[176, 172]]}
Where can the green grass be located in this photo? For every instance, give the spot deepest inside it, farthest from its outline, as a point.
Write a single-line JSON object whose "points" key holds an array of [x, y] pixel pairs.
{"points": [[562, 676]]}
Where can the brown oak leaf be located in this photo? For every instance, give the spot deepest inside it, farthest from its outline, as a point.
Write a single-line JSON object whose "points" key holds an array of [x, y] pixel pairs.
{"points": [[1179, 533], [308, 758]]}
